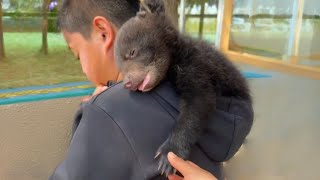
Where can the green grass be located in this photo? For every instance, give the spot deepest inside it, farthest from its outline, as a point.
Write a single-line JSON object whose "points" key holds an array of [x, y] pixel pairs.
{"points": [[209, 28], [26, 66]]}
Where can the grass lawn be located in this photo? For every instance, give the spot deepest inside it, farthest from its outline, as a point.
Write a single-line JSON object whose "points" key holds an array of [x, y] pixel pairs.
{"points": [[26, 66], [209, 28]]}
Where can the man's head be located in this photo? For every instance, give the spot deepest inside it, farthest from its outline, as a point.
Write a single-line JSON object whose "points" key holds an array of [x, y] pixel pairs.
{"points": [[89, 27], [77, 15]]}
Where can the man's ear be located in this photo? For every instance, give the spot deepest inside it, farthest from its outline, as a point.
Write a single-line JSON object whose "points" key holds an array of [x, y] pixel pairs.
{"points": [[104, 29]]}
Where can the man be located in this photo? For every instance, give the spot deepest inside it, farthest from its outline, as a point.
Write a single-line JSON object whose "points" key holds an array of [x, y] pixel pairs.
{"points": [[117, 132]]}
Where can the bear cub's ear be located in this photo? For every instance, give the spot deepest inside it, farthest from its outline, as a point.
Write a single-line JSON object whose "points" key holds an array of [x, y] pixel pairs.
{"points": [[151, 6]]}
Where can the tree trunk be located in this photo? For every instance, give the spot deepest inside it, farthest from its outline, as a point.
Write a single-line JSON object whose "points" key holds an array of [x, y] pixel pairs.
{"points": [[59, 4], [45, 5], [2, 53], [172, 10], [201, 19]]}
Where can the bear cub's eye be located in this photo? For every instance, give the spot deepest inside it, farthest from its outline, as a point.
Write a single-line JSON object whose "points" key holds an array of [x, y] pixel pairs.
{"points": [[132, 53]]}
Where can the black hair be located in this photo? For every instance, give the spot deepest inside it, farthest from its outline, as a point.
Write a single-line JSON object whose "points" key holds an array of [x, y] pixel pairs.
{"points": [[77, 15]]}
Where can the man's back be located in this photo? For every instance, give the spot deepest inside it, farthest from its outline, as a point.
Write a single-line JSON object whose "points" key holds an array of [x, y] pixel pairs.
{"points": [[118, 132]]}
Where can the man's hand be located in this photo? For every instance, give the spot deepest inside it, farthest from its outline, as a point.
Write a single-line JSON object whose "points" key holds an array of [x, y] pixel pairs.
{"points": [[189, 170], [97, 91]]}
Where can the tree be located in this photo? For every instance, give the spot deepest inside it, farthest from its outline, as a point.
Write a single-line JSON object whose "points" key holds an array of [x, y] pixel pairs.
{"points": [[45, 7], [2, 53], [25, 5], [172, 10], [203, 3]]}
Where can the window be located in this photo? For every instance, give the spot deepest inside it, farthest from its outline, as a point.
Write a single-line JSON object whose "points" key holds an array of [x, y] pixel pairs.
{"points": [[309, 48], [261, 27], [286, 31], [200, 19]]}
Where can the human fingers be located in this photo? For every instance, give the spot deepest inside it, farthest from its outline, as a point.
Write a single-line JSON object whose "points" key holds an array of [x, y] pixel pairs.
{"points": [[99, 89], [193, 164], [86, 99], [174, 177], [181, 165]]}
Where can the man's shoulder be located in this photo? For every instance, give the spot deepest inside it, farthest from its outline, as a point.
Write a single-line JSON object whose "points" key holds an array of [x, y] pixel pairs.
{"points": [[117, 98], [112, 95], [123, 106]]}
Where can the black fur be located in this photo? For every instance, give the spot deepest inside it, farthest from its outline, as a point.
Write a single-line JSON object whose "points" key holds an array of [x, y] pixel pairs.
{"points": [[199, 73]]}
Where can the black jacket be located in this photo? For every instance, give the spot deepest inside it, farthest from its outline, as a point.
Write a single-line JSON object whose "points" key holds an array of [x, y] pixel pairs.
{"points": [[117, 133]]}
